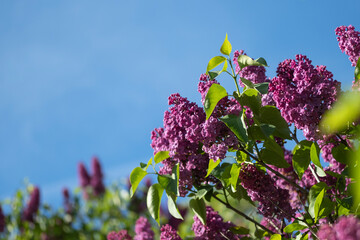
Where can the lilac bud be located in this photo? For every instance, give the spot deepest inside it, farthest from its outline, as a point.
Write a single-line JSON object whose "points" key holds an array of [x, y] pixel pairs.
{"points": [[32, 205]]}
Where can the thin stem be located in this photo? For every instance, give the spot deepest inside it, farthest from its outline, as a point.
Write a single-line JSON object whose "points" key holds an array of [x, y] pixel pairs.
{"points": [[343, 141], [243, 215], [234, 77]]}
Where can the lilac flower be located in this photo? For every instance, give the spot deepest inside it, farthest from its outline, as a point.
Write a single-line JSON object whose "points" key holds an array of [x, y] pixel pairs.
{"points": [[349, 42], [346, 228], [181, 136], [255, 74], [84, 176], [121, 235], [2, 220], [143, 230], [168, 233], [67, 203], [215, 228], [32, 205], [97, 177], [303, 93], [273, 201], [175, 222]]}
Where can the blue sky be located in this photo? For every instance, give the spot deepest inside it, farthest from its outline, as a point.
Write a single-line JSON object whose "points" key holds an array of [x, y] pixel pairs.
{"points": [[85, 78]]}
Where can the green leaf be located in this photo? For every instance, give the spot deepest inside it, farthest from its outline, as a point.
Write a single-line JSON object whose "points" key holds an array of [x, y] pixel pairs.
{"points": [[226, 46], [173, 209], [161, 156], [271, 115], [212, 164], [148, 164], [261, 132], [301, 157], [153, 201], [234, 173], [313, 193], [262, 87], [314, 154], [236, 125], [317, 204], [345, 111], [251, 98], [247, 83], [245, 61], [214, 62], [294, 227], [213, 96], [199, 208], [135, 178], [275, 237], [213, 75], [357, 71], [273, 154], [239, 230], [341, 153], [170, 182]]}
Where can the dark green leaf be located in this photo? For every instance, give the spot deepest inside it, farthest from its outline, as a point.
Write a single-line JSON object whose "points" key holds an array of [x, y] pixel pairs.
{"points": [[213, 75], [251, 98], [294, 227], [213, 96], [273, 154], [170, 182], [262, 87], [153, 201], [247, 83], [212, 164], [214, 62], [226, 46], [135, 178], [174, 211], [301, 157], [341, 153], [199, 208], [239, 230], [271, 115], [161, 156], [261, 132], [237, 126]]}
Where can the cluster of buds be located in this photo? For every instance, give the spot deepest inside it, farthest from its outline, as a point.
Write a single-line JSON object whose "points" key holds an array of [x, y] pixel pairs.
{"points": [[92, 184]]}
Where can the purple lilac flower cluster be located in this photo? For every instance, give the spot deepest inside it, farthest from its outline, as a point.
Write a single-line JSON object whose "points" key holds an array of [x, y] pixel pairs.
{"points": [[168, 233], [349, 42], [181, 136], [2, 220], [190, 139], [67, 203], [273, 201], [32, 205], [95, 182], [217, 138], [143, 230], [121, 235], [255, 74], [346, 228], [215, 227], [303, 93]]}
